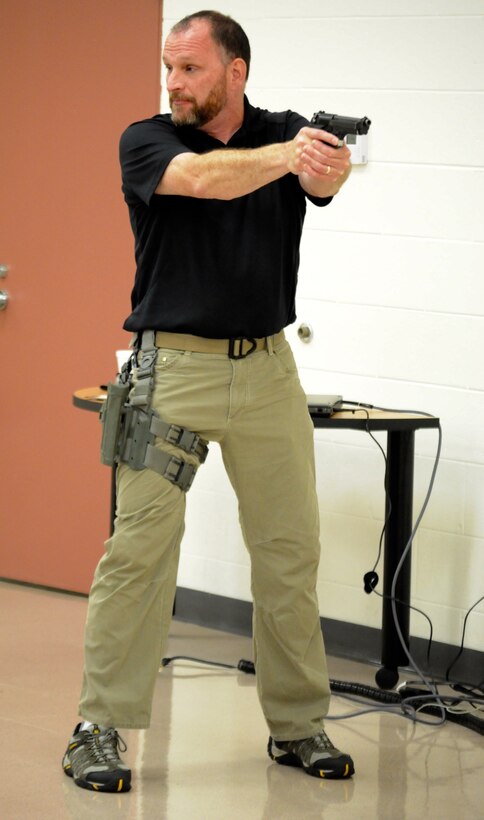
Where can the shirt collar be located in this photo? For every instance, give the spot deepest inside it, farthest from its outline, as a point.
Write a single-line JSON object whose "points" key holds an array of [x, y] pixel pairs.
{"points": [[250, 122]]}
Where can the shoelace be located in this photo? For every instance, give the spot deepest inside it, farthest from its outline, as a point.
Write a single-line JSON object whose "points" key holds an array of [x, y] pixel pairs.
{"points": [[319, 741], [103, 747], [114, 743]]}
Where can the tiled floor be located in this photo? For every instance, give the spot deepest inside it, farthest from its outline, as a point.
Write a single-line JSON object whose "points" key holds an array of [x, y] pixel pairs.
{"points": [[204, 757]]}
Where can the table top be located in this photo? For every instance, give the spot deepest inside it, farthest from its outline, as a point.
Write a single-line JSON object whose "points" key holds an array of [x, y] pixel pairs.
{"points": [[374, 419], [92, 398]]}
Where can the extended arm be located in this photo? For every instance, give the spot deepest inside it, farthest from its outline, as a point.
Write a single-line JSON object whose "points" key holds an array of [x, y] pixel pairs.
{"points": [[224, 174], [230, 173]]}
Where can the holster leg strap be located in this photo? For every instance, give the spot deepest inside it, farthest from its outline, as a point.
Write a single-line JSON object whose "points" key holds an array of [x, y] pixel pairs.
{"points": [[179, 437], [139, 452], [179, 472]]}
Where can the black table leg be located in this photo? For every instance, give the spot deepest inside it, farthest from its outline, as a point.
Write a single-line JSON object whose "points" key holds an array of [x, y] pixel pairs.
{"points": [[399, 506]]}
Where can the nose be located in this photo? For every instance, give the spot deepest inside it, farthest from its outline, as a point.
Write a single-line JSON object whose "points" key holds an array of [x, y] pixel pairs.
{"points": [[174, 80]]}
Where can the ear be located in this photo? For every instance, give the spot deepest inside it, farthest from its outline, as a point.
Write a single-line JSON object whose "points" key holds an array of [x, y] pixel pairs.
{"points": [[238, 72]]}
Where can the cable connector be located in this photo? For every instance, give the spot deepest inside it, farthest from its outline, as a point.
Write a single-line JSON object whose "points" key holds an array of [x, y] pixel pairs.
{"points": [[370, 580], [246, 666]]}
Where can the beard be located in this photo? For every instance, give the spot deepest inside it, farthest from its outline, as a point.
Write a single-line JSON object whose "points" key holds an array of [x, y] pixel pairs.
{"points": [[199, 115]]}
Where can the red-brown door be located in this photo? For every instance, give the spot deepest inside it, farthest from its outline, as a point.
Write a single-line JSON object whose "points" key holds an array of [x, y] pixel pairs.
{"points": [[72, 76]]}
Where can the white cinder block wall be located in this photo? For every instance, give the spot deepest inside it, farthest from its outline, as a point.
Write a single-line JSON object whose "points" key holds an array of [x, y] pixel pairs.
{"points": [[391, 281]]}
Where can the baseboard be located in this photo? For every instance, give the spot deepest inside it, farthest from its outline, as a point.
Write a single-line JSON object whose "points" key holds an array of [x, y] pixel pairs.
{"points": [[342, 639]]}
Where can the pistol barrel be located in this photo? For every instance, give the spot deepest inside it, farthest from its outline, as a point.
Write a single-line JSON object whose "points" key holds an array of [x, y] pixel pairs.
{"points": [[340, 126]]}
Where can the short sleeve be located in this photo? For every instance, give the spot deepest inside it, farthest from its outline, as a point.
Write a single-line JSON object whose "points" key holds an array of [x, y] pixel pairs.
{"points": [[145, 151]]}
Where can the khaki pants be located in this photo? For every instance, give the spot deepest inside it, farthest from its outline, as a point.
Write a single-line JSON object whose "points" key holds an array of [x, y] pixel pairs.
{"points": [[256, 409]]}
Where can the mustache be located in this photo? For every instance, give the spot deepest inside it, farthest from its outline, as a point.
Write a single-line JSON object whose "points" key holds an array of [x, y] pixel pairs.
{"points": [[181, 97]]}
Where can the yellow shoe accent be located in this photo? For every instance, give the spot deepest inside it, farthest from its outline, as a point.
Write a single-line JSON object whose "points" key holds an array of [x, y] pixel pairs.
{"points": [[345, 773], [120, 786]]}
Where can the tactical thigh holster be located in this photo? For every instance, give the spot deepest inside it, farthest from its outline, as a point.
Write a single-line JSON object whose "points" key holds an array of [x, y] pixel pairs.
{"points": [[130, 426]]}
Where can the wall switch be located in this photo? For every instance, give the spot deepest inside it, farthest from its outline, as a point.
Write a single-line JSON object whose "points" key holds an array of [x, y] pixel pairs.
{"points": [[358, 145]]}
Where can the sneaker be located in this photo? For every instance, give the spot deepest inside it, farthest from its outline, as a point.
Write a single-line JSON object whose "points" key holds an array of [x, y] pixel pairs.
{"points": [[316, 755], [92, 760]]}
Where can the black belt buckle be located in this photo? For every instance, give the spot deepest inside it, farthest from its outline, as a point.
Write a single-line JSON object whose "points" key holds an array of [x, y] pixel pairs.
{"points": [[238, 345]]}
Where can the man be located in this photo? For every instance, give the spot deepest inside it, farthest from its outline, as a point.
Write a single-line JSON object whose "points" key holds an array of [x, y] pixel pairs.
{"points": [[217, 196]]}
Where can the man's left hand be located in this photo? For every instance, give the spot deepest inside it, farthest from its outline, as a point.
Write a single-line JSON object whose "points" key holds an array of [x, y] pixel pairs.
{"points": [[322, 167]]}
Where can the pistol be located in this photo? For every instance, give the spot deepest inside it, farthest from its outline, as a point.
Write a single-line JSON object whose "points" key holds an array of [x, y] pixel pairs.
{"points": [[340, 126]]}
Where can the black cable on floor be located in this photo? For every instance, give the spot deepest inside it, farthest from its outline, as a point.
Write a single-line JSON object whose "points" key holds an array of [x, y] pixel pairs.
{"points": [[417, 698], [243, 665]]}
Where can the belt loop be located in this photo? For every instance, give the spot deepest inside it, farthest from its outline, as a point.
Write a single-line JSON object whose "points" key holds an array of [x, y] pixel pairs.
{"points": [[270, 345]]}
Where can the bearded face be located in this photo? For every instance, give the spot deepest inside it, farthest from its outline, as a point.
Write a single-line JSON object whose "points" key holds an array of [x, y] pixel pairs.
{"points": [[187, 111]]}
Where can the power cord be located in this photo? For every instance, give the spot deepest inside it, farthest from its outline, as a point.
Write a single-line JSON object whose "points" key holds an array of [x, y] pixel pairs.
{"points": [[371, 578], [406, 702], [243, 666], [417, 696], [461, 648], [359, 405]]}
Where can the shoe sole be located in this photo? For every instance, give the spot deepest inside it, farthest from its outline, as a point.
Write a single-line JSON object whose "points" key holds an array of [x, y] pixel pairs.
{"points": [[119, 784], [342, 769]]}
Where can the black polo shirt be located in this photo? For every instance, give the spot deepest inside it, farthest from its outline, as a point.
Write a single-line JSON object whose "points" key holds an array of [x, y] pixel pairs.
{"points": [[208, 267]]}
